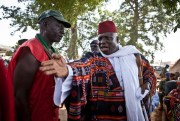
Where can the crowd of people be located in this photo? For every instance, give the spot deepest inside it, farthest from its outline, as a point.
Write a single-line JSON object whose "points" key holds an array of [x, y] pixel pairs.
{"points": [[169, 94], [110, 83]]}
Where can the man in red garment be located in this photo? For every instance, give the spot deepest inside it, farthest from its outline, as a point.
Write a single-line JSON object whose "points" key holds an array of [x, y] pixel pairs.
{"points": [[6, 96], [32, 88]]}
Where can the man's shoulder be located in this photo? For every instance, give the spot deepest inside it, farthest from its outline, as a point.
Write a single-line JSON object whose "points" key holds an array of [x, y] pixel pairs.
{"points": [[36, 49], [91, 55], [32, 41]]}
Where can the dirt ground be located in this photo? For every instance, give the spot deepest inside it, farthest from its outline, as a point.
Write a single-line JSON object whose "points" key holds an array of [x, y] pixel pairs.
{"points": [[156, 115]]}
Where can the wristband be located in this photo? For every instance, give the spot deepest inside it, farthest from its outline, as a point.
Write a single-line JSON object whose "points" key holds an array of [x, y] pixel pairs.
{"points": [[140, 77]]}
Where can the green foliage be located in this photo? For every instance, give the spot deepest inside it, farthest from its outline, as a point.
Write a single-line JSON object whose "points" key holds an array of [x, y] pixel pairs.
{"points": [[87, 29], [9, 53], [172, 7], [141, 23], [71, 9], [22, 18], [88, 24]]}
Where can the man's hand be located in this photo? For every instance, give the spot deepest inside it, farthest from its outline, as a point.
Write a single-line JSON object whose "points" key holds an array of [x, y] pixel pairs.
{"points": [[56, 66], [144, 87]]}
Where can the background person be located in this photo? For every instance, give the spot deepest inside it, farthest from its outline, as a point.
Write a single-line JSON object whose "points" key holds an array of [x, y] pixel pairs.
{"points": [[94, 46], [172, 84], [7, 111], [164, 71], [161, 87], [172, 100]]}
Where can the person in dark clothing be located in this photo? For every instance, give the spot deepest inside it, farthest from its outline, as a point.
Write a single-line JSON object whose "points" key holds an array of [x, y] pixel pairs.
{"points": [[164, 71], [170, 85], [162, 89], [94, 46], [172, 101]]}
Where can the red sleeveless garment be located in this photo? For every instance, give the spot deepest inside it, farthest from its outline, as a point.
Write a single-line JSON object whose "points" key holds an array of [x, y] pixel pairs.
{"points": [[41, 96], [7, 112]]}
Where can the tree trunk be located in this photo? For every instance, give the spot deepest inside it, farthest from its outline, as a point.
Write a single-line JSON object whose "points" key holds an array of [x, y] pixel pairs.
{"points": [[72, 50], [134, 29]]}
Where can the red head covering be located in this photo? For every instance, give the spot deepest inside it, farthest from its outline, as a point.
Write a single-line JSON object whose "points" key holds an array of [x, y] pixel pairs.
{"points": [[106, 26]]}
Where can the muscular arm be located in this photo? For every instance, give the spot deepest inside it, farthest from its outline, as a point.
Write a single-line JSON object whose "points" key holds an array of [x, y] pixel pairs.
{"points": [[24, 73]]}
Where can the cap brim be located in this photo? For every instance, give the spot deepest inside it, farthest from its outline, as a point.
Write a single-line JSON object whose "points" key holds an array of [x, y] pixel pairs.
{"points": [[63, 21]]}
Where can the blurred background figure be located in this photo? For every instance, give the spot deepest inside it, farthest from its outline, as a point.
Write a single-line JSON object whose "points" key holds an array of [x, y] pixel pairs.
{"points": [[172, 101], [7, 112], [155, 102], [164, 71], [172, 84], [161, 87], [94, 46]]}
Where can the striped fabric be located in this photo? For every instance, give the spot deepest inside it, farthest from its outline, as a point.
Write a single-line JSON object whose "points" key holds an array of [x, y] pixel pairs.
{"points": [[148, 76], [96, 93], [174, 113]]}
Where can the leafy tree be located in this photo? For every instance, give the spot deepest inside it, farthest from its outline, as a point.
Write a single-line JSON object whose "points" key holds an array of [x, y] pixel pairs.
{"points": [[9, 53], [87, 29], [172, 7], [141, 23], [71, 9]]}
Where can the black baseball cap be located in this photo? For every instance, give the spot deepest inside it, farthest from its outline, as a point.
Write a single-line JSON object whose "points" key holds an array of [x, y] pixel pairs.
{"points": [[55, 14]]}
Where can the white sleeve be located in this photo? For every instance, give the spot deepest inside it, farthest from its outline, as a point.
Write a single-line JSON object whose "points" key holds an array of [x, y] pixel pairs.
{"points": [[139, 94], [62, 88]]}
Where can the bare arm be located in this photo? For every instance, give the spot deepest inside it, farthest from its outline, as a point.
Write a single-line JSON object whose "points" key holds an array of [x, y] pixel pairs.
{"points": [[24, 74]]}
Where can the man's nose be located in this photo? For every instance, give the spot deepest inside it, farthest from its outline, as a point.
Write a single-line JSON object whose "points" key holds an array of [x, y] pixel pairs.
{"points": [[103, 41]]}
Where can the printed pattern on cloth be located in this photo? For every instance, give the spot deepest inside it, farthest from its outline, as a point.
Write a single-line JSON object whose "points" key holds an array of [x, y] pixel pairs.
{"points": [[174, 113], [148, 76], [96, 93]]}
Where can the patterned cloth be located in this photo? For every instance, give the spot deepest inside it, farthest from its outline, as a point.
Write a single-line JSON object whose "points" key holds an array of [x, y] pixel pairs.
{"points": [[148, 76], [96, 93], [174, 113]]}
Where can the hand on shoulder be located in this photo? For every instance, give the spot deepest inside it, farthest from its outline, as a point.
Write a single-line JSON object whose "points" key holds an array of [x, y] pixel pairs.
{"points": [[56, 66]]}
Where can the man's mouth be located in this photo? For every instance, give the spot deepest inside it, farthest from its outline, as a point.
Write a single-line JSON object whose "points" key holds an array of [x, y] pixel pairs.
{"points": [[104, 48]]}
